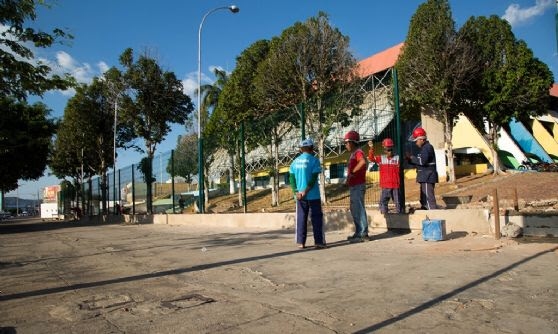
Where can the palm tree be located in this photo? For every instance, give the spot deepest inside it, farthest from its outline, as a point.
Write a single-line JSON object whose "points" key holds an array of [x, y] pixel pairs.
{"points": [[210, 93], [210, 96]]}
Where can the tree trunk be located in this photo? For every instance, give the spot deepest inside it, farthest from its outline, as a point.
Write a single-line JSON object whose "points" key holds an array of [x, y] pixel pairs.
{"points": [[322, 174], [232, 183], [90, 191], [274, 177], [493, 138], [149, 184], [104, 190], [240, 202]]}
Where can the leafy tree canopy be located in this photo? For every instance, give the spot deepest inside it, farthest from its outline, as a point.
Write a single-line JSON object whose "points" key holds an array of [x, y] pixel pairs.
{"points": [[185, 157], [25, 136], [21, 74], [512, 83], [153, 100]]}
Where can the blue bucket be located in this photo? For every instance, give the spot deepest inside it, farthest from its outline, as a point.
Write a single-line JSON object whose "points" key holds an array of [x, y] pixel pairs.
{"points": [[433, 229]]}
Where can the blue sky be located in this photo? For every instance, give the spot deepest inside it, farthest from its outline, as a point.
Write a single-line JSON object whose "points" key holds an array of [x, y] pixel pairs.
{"points": [[168, 31]]}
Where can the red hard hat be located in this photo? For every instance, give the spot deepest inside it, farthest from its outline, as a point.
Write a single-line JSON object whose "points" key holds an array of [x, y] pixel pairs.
{"points": [[419, 132], [388, 142], [352, 136]]}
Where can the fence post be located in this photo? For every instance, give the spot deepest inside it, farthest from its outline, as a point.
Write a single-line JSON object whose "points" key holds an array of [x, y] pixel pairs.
{"points": [[496, 207], [133, 193], [172, 180], [399, 140]]}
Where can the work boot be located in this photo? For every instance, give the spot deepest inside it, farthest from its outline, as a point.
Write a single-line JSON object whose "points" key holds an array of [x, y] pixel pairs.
{"points": [[357, 239]]}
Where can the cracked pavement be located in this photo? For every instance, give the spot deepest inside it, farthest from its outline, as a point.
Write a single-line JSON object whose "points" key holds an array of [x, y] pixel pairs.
{"points": [[63, 277]]}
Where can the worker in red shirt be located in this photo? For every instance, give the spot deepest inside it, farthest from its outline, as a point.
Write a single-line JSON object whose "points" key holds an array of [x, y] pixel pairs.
{"points": [[356, 180], [389, 175]]}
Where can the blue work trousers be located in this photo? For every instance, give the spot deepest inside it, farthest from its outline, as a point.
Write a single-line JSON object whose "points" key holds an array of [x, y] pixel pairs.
{"points": [[360, 219], [304, 208], [427, 196]]}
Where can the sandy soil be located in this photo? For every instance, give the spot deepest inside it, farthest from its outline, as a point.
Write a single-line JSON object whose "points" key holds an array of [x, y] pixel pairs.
{"points": [[535, 191]]}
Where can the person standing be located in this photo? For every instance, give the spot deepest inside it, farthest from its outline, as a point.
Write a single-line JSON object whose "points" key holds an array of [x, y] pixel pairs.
{"points": [[389, 175], [303, 177], [427, 174], [356, 180]]}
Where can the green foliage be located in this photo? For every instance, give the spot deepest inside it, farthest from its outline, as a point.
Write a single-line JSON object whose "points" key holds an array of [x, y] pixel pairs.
{"points": [[185, 157], [236, 101], [85, 135], [145, 166], [310, 64], [150, 101], [153, 100], [21, 74], [210, 97], [25, 131], [25, 136], [424, 66], [436, 68], [513, 83]]}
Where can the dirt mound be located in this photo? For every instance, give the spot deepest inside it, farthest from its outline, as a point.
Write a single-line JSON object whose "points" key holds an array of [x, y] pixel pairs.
{"points": [[537, 191]]}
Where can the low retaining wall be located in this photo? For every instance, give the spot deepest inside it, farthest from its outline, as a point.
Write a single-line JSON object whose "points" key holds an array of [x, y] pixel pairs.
{"points": [[533, 224], [478, 221], [470, 221]]}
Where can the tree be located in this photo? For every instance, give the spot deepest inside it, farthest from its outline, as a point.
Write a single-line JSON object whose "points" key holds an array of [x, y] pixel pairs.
{"points": [[185, 157], [22, 75], [310, 65], [236, 105], [153, 100], [25, 136], [435, 67], [84, 143], [210, 96], [512, 83]]}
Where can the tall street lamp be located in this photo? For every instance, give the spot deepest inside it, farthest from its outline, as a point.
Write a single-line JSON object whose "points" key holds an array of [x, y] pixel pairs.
{"points": [[114, 157], [201, 201]]}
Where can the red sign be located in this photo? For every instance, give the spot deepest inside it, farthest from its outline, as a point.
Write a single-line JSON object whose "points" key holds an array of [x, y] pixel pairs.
{"points": [[50, 193]]}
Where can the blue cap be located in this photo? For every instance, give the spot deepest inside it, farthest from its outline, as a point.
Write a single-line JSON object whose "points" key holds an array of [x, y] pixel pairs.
{"points": [[307, 143]]}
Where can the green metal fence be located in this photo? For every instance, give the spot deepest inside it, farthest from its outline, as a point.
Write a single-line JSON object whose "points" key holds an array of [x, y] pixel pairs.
{"points": [[127, 189]]}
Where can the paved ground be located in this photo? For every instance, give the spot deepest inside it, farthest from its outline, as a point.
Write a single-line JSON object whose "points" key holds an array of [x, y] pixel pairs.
{"points": [[72, 278]]}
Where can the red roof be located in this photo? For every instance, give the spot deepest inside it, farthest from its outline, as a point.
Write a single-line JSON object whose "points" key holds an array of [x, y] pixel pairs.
{"points": [[379, 62], [386, 59]]}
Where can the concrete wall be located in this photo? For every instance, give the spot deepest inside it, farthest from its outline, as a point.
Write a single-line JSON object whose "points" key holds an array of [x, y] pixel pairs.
{"points": [[470, 221], [534, 225], [476, 221]]}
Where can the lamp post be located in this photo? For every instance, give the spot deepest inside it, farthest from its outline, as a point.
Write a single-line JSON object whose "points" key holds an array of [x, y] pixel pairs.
{"points": [[114, 157], [201, 200]]}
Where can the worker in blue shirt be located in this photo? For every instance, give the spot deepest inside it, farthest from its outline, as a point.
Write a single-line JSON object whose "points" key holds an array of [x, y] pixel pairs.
{"points": [[303, 177]]}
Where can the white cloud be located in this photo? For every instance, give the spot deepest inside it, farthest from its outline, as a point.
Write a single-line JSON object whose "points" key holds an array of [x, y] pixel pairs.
{"points": [[65, 60], [516, 15], [190, 84], [83, 72], [103, 67]]}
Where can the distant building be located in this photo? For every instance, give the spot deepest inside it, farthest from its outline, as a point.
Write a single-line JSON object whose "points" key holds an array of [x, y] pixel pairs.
{"points": [[14, 203]]}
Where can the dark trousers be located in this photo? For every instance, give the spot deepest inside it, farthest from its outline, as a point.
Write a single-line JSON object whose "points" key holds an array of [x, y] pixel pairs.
{"points": [[386, 195], [314, 209], [427, 197]]}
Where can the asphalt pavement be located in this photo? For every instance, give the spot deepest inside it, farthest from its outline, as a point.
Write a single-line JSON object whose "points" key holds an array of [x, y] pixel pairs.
{"points": [[68, 277]]}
